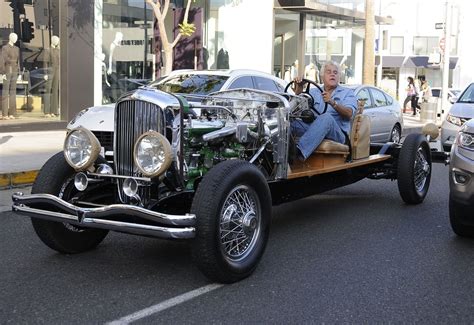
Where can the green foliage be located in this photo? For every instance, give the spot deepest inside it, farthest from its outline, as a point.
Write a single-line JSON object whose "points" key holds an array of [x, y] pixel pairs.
{"points": [[186, 29]]}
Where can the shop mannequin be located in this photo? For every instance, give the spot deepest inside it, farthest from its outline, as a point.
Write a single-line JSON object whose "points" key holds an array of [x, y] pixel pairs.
{"points": [[106, 91], [294, 70], [104, 69], [10, 56], [51, 103], [311, 72], [112, 70], [116, 43]]}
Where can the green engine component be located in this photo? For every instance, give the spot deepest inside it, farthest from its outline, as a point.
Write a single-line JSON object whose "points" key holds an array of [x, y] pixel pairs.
{"points": [[233, 150], [204, 160]]}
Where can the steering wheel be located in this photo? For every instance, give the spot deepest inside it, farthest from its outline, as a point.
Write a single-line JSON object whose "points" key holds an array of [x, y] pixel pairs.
{"points": [[307, 115]]}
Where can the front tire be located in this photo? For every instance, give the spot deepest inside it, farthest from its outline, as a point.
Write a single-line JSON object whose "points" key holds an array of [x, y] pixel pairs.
{"points": [[396, 134], [458, 214], [414, 169], [56, 177], [233, 209]]}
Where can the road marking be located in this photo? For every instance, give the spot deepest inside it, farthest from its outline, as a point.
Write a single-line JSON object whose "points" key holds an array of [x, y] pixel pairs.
{"points": [[165, 305]]}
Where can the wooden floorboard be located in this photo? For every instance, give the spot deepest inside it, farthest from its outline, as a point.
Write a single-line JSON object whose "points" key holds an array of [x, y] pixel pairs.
{"points": [[303, 172]]}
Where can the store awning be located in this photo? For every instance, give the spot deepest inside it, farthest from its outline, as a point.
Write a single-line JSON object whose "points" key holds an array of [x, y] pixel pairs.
{"points": [[391, 61], [326, 10], [415, 61]]}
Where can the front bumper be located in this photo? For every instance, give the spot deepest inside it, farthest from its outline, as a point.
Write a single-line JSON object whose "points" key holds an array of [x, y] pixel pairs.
{"points": [[155, 224], [448, 134], [461, 174]]}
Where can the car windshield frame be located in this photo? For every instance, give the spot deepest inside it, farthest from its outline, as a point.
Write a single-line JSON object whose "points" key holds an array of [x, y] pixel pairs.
{"points": [[467, 95], [191, 83]]}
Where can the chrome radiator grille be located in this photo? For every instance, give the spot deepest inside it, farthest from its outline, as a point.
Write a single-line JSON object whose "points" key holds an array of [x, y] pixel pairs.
{"points": [[132, 119]]}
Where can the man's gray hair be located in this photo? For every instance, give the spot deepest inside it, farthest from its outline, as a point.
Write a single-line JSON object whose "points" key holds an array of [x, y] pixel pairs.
{"points": [[327, 64]]}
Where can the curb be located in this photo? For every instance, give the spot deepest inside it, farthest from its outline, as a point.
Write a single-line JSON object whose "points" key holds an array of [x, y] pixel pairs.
{"points": [[9, 180]]}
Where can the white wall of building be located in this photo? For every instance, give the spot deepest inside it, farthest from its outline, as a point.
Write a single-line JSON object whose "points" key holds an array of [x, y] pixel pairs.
{"points": [[464, 72], [248, 28]]}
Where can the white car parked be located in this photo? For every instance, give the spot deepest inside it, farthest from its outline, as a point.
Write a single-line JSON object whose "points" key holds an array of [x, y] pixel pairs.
{"points": [[461, 111], [101, 118]]}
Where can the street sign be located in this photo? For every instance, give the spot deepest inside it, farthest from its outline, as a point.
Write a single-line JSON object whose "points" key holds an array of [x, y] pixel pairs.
{"points": [[439, 25]]}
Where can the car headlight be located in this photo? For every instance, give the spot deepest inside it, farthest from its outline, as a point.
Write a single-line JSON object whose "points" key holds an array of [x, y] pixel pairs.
{"points": [[454, 120], [81, 149], [466, 140], [152, 154]]}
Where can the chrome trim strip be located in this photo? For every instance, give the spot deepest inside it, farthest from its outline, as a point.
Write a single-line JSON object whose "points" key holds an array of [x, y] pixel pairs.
{"points": [[145, 179], [102, 212], [147, 230], [126, 227]]}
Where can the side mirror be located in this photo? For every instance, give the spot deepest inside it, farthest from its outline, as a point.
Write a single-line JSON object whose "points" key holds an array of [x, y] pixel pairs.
{"points": [[453, 99]]}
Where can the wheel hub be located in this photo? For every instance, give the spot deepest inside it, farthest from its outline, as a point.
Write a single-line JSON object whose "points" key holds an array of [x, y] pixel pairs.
{"points": [[249, 222], [229, 214]]}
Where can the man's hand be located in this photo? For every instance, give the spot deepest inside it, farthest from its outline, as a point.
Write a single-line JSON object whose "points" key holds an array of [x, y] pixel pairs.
{"points": [[297, 85], [327, 97]]}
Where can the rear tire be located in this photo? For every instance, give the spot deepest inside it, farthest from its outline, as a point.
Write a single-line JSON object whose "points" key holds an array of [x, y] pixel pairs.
{"points": [[233, 210], [458, 213], [414, 169], [56, 177]]}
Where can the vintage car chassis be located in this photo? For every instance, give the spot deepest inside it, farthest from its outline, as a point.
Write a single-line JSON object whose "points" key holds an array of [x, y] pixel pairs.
{"points": [[242, 163]]}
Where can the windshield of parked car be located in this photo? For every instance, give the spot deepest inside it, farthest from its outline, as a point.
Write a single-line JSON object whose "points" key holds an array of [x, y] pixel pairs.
{"points": [[468, 95], [191, 84]]}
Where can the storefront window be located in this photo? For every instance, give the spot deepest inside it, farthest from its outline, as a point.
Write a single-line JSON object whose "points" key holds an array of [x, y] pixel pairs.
{"points": [[332, 39], [127, 55], [396, 45], [424, 45], [30, 60], [285, 45]]}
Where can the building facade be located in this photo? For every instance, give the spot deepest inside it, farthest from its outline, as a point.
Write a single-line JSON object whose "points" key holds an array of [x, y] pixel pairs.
{"points": [[413, 45], [106, 47]]}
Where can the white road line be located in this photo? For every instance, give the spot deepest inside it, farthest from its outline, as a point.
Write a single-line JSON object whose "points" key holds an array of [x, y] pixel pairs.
{"points": [[165, 305]]}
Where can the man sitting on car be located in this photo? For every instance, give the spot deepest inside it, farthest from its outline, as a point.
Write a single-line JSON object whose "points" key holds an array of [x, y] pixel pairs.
{"points": [[335, 123]]}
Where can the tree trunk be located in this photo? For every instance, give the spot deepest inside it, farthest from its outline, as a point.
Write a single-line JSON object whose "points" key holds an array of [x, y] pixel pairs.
{"points": [[369, 49], [168, 60]]}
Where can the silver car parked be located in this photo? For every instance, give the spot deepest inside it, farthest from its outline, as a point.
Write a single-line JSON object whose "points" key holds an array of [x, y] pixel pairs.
{"points": [[461, 184], [461, 111], [386, 118]]}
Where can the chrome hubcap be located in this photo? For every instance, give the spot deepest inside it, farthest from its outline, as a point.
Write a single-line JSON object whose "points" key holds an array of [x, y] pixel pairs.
{"points": [[422, 170], [240, 223], [395, 135]]}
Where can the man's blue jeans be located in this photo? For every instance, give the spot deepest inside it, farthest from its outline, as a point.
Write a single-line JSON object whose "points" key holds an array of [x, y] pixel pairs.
{"points": [[311, 135]]}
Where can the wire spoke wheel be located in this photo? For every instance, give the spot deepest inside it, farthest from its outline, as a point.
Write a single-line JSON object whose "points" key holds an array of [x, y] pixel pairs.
{"points": [[414, 169], [233, 210], [421, 170], [240, 223]]}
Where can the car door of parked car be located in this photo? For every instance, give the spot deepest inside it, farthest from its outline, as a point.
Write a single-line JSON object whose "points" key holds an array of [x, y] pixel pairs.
{"points": [[364, 97], [382, 116]]}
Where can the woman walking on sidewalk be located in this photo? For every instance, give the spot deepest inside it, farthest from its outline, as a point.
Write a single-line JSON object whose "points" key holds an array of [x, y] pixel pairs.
{"points": [[411, 95]]}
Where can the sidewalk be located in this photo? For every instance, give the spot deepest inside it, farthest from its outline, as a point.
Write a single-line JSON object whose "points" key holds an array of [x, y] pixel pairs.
{"points": [[23, 153]]}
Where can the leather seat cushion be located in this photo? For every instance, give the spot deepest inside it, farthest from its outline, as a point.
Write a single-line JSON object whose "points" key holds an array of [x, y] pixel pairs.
{"points": [[329, 146]]}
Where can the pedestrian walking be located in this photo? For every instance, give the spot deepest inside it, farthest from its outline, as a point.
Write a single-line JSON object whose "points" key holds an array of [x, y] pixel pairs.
{"points": [[411, 93]]}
